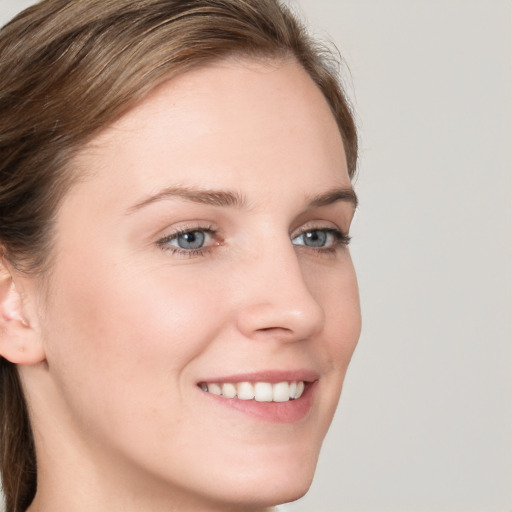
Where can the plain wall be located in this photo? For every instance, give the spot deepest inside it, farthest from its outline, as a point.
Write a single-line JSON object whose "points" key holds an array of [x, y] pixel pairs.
{"points": [[425, 420]]}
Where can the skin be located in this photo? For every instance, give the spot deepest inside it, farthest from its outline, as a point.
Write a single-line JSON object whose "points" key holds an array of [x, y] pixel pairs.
{"points": [[129, 326]]}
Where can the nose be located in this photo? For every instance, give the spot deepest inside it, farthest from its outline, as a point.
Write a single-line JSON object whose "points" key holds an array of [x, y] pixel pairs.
{"points": [[278, 303]]}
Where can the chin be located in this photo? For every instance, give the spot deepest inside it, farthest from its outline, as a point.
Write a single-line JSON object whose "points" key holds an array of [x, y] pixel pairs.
{"points": [[289, 489], [266, 483], [271, 493]]}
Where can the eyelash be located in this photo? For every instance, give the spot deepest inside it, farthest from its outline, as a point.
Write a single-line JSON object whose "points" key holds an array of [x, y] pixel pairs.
{"points": [[340, 240]]}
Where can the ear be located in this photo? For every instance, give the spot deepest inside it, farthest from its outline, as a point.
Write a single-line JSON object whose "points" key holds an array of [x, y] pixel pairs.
{"points": [[20, 343]]}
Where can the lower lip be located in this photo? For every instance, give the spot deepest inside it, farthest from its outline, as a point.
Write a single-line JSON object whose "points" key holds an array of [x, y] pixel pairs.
{"points": [[272, 412]]}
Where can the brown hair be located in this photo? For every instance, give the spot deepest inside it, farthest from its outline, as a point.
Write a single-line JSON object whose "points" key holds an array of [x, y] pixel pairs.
{"points": [[70, 68]]}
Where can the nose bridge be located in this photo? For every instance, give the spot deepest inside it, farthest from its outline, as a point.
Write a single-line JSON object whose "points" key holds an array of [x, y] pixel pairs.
{"points": [[277, 300]]}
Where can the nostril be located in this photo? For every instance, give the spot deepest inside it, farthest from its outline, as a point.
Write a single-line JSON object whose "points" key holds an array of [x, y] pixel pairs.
{"points": [[275, 333], [278, 322]]}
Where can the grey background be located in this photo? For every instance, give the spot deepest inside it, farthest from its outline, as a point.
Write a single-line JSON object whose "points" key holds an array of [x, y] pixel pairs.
{"points": [[425, 421]]}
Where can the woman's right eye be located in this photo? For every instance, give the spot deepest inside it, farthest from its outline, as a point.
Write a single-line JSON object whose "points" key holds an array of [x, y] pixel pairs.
{"points": [[189, 242]]}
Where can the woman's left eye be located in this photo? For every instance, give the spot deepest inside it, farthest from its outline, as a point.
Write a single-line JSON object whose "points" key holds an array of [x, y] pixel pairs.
{"points": [[326, 238]]}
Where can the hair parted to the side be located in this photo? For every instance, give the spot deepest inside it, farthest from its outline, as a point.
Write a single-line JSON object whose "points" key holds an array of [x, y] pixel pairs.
{"points": [[70, 68]]}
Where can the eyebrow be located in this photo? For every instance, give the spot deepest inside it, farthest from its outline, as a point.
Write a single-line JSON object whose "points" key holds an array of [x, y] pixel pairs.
{"points": [[344, 194], [227, 198], [223, 198]]}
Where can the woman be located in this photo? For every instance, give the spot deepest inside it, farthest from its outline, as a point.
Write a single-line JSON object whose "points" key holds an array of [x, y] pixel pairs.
{"points": [[178, 304]]}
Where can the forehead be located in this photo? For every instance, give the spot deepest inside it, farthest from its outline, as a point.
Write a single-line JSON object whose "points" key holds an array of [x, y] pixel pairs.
{"points": [[232, 120]]}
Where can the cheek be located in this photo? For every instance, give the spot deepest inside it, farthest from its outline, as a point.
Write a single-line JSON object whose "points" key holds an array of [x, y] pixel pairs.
{"points": [[346, 322], [123, 340], [126, 324], [337, 291]]}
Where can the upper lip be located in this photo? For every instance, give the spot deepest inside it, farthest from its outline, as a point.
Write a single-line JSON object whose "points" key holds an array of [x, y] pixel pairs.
{"points": [[272, 376]]}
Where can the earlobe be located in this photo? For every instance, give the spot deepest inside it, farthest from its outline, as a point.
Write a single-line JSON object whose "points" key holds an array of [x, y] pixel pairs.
{"points": [[19, 341]]}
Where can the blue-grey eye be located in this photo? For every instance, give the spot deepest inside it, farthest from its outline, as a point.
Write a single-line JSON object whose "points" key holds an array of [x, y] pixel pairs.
{"points": [[326, 239], [314, 238], [190, 240]]}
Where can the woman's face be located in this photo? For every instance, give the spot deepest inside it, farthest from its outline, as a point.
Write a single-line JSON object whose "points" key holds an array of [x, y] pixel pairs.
{"points": [[205, 248]]}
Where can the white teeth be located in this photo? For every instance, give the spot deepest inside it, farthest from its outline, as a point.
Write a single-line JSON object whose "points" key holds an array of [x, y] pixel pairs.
{"points": [[293, 389], [300, 389], [281, 392], [245, 391], [228, 390], [263, 392], [214, 388], [259, 391]]}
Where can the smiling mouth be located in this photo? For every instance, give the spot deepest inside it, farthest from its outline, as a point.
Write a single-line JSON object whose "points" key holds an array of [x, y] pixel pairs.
{"points": [[257, 391]]}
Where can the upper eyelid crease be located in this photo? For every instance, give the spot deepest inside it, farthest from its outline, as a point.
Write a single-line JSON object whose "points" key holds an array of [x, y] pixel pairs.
{"points": [[182, 231], [338, 233]]}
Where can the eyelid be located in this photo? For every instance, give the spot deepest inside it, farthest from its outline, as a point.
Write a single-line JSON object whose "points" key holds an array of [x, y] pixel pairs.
{"points": [[334, 231], [186, 227], [318, 225]]}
